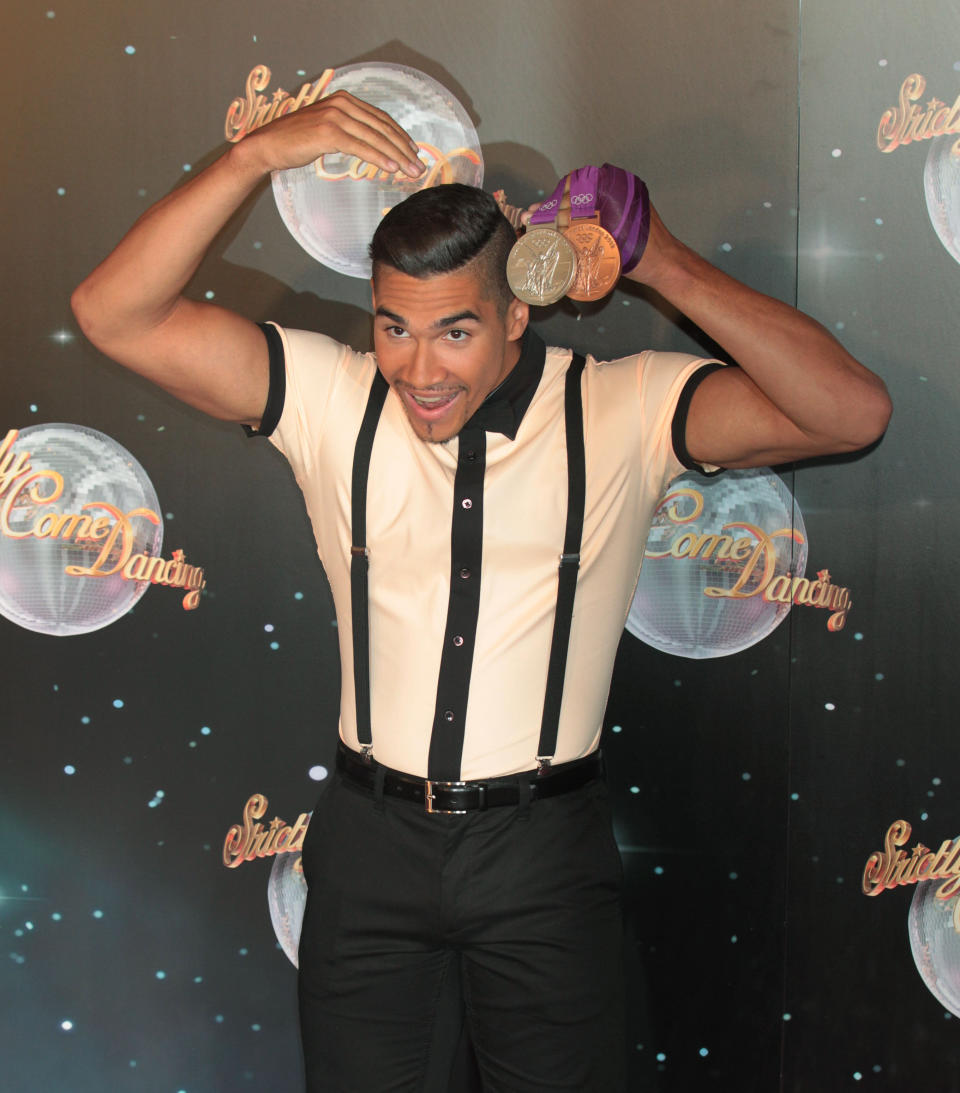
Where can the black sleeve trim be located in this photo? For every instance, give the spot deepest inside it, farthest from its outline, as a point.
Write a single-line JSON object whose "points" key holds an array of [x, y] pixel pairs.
{"points": [[679, 431], [278, 384]]}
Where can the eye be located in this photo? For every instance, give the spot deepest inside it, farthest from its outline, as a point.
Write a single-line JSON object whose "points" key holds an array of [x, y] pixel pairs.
{"points": [[395, 331], [458, 335]]}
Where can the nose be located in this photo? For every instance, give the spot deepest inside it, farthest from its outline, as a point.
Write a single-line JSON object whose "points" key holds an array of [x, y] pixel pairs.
{"points": [[423, 370]]}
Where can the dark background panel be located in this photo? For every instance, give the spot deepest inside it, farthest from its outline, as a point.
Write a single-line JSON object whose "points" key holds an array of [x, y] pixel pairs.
{"points": [[872, 736]]}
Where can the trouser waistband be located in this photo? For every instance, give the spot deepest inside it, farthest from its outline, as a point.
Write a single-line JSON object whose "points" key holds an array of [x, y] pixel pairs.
{"points": [[456, 798]]}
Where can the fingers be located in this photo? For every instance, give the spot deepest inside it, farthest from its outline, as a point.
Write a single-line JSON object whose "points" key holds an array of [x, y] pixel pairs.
{"points": [[369, 132]]}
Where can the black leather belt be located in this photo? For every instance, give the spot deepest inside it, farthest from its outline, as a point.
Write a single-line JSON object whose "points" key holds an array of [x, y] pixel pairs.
{"points": [[456, 798]]}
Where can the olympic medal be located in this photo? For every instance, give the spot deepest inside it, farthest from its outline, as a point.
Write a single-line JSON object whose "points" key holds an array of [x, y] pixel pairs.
{"points": [[541, 267], [598, 260]]}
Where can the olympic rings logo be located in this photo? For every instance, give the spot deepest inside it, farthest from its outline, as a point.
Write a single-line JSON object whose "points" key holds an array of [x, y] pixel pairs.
{"points": [[581, 199], [549, 204]]}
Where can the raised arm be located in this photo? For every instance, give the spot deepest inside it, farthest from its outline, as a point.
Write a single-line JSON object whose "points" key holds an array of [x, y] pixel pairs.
{"points": [[798, 393], [131, 306]]}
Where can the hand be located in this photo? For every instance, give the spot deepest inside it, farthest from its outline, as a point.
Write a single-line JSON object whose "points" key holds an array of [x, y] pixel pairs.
{"points": [[338, 123]]}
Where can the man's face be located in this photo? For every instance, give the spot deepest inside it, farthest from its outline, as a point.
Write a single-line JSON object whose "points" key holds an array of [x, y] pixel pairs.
{"points": [[442, 346]]}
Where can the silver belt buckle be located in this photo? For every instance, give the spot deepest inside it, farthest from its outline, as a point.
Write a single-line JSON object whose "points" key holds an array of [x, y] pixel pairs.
{"points": [[428, 799]]}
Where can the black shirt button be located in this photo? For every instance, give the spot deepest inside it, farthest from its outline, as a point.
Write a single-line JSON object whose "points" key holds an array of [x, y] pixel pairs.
{"points": [[471, 455], [464, 573], [448, 715], [467, 503], [458, 640]]}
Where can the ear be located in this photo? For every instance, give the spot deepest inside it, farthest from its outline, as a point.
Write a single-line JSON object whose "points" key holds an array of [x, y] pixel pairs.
{"points": [[518, 315]]}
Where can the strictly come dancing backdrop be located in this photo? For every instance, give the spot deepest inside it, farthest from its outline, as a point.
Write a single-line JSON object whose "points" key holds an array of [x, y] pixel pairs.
{"points": [[780, 729]]}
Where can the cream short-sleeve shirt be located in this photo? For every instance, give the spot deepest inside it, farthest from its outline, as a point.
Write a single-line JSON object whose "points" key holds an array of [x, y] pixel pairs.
{"points": [[628, 408]]}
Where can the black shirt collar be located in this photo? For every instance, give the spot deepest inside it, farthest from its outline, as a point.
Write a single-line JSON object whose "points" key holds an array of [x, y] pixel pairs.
{"points": [[503, 409]]}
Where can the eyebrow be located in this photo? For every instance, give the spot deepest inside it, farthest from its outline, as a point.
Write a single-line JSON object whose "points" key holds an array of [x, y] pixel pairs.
{"points": [[447, 320]]}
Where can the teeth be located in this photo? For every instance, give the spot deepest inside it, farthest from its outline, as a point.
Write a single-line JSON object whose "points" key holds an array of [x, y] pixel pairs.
{"points": [[435, 400]]}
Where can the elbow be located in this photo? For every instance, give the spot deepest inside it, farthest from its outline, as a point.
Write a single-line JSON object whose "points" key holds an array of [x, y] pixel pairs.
{"points": [[97, 321], [80, 305], [869, 422]]}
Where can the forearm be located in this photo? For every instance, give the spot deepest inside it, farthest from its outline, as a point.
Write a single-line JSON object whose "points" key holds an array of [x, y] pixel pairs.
{"points": [[798, 365], [138, 285], [131, 306]]}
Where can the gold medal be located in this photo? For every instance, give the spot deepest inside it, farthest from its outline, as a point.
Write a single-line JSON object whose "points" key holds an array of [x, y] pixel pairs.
{"points": [[541, 267]]}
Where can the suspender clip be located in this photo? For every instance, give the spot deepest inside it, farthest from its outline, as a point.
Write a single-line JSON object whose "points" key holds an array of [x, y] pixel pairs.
{"points": [[570, 559], [543, 764], [361, 551]]}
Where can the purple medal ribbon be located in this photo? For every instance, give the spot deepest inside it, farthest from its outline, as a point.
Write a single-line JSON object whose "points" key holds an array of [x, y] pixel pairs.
{"points": [[547, 212], [625, 212], [622, 201], [584, 183]]}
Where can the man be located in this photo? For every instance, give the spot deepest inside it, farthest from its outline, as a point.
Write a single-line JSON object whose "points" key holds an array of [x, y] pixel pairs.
{"points": [[467, 821]]}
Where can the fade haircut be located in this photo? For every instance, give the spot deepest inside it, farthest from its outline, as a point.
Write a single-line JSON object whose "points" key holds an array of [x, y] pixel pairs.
{"points": [[447, 228]]}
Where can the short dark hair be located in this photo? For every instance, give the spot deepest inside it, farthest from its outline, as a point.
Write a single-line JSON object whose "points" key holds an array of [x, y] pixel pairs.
{"points": [[446, 228]]}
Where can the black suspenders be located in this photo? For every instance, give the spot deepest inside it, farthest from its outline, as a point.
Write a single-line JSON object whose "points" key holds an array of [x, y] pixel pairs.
{"points": [[566, 580], [360, 559], [569, 563]]}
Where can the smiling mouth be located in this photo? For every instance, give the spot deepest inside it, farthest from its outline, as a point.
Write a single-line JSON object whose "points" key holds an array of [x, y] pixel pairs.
{"points": [[431, 402], [430, 405]]}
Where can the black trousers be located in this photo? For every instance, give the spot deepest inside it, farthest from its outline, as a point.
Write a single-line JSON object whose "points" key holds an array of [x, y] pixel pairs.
{"points": [[523, 902]]}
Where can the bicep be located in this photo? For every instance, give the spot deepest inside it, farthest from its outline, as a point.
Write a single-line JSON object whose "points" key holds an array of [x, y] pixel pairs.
{"points": [[204, 355], [731, 423]]}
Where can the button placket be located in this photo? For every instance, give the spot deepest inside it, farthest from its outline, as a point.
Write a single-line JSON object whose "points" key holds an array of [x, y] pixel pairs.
{"points": [[466, 558]]}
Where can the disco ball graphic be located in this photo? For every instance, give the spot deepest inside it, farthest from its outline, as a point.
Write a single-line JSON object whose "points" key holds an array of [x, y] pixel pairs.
{"points": [[941, 183], [287, 896], [735, 532], [36, 592], [333, 214], [936, 944]]}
